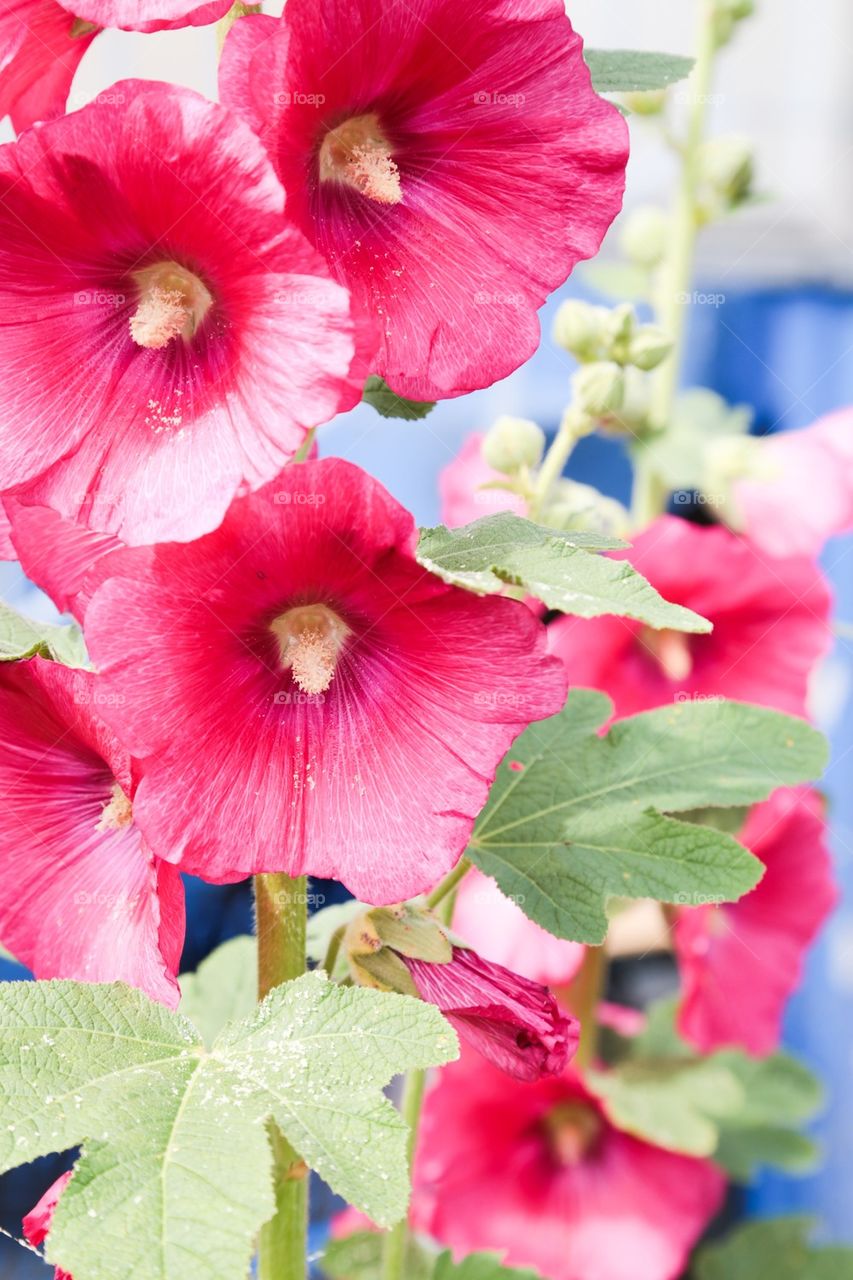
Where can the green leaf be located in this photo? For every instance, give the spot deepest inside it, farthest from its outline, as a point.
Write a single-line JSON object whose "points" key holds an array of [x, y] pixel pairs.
{"points": [[675, 1104], [359, 1257], [478, 1266], [575, 818], [742, 1111], [554, 566], [779, 1094], [224, 988], [774, 1250], [634, 70], [21, 637], [701, 417], [389, 405], [174, 1179]]}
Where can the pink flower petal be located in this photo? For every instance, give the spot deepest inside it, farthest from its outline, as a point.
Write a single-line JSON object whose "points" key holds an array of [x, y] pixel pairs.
{"points": [[245, 770], [538, 1173], [37, 1222], [81, 895], [741, 961], [498, 929], [771, 626], [807, 495], [39, 55], [502, 168], [142, 442]]}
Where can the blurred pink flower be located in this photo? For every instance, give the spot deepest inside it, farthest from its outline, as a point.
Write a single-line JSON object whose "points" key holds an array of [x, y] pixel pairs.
{"points": [[771, 626], [463, 498], [451, 183], [740, 961], [806, 495], [498, 929], [300, 656], [538, 1173], [37, 1222], [41, 46], [511, 1021], [81, 895]]}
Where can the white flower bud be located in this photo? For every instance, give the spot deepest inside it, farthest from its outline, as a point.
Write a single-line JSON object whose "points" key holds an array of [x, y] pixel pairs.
{"points": [[513, 443], [648, 347], [579, 327], [644, 236], [599, 388], [727, 166]]}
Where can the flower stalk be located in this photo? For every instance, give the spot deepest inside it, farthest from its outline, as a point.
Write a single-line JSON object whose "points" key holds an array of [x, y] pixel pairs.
{"points": [[280, 923], [676, 273], [397, 1240]]}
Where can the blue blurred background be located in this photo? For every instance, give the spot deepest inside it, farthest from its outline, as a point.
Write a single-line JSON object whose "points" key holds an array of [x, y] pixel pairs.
{"points": [[781, 340]]}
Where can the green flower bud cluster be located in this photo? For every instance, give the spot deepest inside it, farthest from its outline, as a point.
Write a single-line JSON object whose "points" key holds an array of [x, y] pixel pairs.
{"points": [[513, 445], [606, 342]]}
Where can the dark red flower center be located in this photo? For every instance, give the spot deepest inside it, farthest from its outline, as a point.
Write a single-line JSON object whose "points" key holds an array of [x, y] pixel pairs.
{"points": [[358, 154], [172, 303], [310, 639]]}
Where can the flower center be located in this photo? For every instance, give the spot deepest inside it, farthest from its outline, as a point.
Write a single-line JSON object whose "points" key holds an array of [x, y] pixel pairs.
{"points": [[572, 1129], [310, 639], [82, 27], [172, 304], [358, 153], [116, 813], [670, 650]]}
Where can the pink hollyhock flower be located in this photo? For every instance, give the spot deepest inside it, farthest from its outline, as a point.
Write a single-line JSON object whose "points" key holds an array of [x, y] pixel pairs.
{"points": [[499, 930], [81, 895], [461, 482], [167, 338], [56, 554], [41, 45], [511, 1021], [38, 1220], [452, 164], [150, 15], [771, 626], [806, 494], [538, 1172], [301, 657], [741, 961]]}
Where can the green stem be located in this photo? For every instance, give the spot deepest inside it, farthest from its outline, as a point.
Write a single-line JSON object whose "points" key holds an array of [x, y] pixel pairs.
{"points": [[396, 1242], [582, 996], [449, 883], [224, 25], [280, 913], [676, 276], [554, 462]]}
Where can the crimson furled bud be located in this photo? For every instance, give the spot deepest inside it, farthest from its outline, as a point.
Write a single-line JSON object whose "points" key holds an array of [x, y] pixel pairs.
{"points": [[515, 1023]]}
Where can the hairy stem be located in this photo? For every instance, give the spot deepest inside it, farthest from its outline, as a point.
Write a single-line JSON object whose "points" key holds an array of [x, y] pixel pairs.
{"points": [[280, 914], [449, 883], [397, 1240], [676, 274]]}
